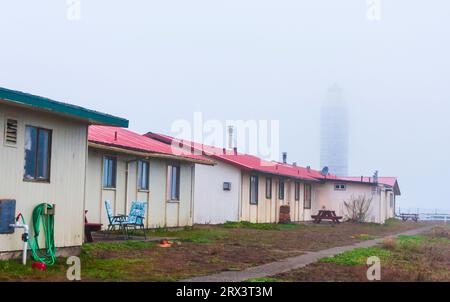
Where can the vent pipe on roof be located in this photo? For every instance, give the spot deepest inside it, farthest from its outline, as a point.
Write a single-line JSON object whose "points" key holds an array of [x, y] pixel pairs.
{"points": [[235, 150], [308, 168], [362, 178], [115, 135], [375, 176], [284, 157], [294, 164]]}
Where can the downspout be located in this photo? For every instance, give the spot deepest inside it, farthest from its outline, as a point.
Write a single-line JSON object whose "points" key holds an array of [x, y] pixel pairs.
{"points": [[192, 193], [86, 159], [240, 197], [127, 163]]}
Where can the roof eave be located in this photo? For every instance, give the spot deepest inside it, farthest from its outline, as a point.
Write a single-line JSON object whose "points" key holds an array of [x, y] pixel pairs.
{"points": [[146, 154], [71, 111]]}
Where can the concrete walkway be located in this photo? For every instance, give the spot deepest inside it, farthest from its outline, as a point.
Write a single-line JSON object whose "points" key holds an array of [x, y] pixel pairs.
{"points": [[292, 263]]}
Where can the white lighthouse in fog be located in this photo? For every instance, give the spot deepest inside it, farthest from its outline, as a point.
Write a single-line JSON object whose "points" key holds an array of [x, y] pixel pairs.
{"points": [[334, 132]]}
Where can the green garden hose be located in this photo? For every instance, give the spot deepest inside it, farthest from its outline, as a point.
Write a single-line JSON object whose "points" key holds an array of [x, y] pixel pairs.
{"points": [[49, 256]]}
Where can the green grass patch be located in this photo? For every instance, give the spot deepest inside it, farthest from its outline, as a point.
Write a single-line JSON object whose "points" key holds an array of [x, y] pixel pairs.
{"points": [[109, 269], [120, 245], [411, 239], [195, 235], [187, 234], [357, 256], [259, 226]]}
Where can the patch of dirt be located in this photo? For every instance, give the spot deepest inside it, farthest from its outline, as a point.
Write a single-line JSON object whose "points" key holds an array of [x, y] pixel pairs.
{"points": [[429, 261]]}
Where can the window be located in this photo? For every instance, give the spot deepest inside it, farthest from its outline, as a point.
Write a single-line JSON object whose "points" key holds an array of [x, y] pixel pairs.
{"points": [[253, 189], [143, 172], [37, 154], [281, 189], [307, 204], [227, 186], [174, 182], [340, 187], [297, 191], [109, 171], [11, 132], [268, 188]]}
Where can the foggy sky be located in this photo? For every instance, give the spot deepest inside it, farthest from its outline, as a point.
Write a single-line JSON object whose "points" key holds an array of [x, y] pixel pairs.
{"points": [[157, 61]]}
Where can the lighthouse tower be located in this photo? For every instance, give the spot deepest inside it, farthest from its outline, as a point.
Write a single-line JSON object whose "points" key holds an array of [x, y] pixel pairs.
{"points": [[334, 132]]}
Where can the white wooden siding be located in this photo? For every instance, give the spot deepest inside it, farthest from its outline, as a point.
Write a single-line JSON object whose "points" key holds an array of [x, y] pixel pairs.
{"points": [[67, 175]]}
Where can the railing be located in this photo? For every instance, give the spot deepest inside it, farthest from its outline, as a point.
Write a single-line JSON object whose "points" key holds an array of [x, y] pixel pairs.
{"points": [[427, 214]]}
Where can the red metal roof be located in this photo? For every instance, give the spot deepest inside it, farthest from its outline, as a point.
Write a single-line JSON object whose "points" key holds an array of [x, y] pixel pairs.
{"points": [[250, 162], [243, 161], [126, 139]]}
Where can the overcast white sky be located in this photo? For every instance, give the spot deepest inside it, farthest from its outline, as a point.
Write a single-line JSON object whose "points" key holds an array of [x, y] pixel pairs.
{"points": [[157, 61]]}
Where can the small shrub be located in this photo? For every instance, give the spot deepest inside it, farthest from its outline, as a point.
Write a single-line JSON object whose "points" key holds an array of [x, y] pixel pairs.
{"points": [[358, 208], [390, 244]]}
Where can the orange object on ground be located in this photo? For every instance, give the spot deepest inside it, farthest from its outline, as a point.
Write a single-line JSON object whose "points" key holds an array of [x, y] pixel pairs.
{"points": [[165, 243]]}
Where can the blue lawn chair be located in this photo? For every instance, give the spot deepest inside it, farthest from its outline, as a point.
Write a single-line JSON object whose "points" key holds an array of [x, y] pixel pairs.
{"points": [[136, 217], [114, 221]]}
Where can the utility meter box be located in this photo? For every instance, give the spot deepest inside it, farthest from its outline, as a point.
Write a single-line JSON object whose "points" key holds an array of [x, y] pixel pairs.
{"points": [[7, 215]]}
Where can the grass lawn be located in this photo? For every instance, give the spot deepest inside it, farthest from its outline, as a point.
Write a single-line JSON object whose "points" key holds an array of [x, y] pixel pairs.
{"points": [[202, 250], [405, 258]]}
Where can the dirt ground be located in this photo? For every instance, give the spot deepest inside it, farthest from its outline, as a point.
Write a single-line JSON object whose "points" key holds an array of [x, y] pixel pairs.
{"points": [[203, 250], [408, 259]]}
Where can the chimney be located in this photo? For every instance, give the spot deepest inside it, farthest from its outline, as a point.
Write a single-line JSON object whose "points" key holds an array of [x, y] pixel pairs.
{"points": [[224, 151], [284, 157], [308, 168], [294, 164], [235, 150], [230, 137]]}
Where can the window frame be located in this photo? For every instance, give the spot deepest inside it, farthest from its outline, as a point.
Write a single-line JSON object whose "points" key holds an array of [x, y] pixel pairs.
{"points": [[140, 164], [307, 192], [269, 188], [253, 202], [171, 197], [297, 191], [36, 156], [281, 193], [114, 179], [340, 187]]}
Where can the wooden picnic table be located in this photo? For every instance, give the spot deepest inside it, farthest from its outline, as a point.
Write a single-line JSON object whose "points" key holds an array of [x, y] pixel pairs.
{"points": [[326, 215], [406, 216]]}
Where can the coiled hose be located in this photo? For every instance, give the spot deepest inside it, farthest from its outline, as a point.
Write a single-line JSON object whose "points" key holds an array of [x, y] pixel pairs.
{"points": [[49, 255]]}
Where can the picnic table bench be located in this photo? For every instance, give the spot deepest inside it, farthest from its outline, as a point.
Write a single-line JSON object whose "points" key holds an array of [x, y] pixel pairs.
{"points": [[406, 216], [326, 215], [89, 228]]}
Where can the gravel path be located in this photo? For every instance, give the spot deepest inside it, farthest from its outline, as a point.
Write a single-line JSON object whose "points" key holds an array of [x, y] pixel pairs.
{"points": [[291, 263]]}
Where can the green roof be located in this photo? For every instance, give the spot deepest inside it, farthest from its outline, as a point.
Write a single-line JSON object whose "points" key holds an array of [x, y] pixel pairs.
{"points": [[34, 101]]}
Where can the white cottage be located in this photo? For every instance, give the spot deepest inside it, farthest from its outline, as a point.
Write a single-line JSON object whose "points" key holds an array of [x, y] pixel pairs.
{"points": [[243, 187], [125, 166], [43, 157]]}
